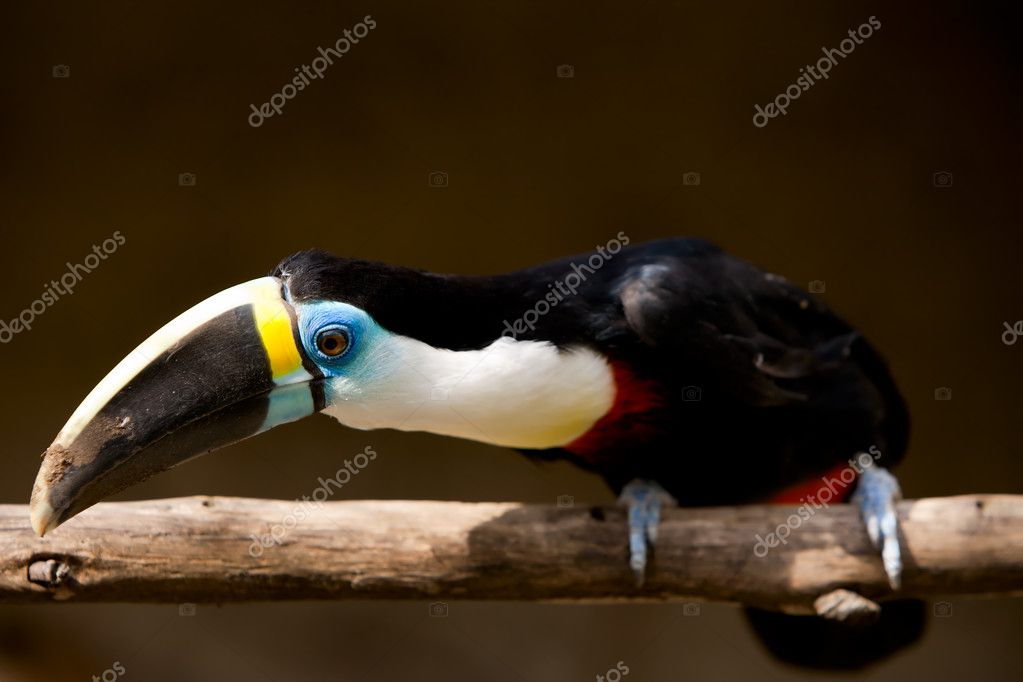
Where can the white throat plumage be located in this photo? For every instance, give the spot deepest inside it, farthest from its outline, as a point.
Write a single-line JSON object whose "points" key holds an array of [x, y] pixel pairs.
{"points": [[523, 394]]}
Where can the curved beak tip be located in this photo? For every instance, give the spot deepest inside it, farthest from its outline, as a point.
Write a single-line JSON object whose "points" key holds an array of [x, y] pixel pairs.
{"points": [[44, 517]]}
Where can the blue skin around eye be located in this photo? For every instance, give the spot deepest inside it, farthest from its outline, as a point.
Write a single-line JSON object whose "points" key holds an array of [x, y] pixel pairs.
{"points": [[290, 402], [362, 332]]}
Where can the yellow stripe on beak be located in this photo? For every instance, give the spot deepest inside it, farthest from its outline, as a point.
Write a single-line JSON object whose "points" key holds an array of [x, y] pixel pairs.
{"points": [[274, 325]]}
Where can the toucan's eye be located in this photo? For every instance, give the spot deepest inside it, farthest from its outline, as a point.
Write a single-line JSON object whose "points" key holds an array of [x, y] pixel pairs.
{"points": [[332, 342]]}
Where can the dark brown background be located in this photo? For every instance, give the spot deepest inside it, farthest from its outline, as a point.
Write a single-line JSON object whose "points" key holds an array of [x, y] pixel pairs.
{"points": [[839, 190]]}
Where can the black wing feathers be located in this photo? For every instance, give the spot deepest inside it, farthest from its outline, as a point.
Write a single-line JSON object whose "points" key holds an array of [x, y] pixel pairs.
{"points": [[759, 341]]}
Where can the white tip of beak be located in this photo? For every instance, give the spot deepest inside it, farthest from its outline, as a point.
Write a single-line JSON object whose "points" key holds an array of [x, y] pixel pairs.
{"points": [[43, 518]]}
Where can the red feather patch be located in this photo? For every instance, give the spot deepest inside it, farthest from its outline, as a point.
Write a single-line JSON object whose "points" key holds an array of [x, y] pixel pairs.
{"points": [[832, 480], [624, 422]]}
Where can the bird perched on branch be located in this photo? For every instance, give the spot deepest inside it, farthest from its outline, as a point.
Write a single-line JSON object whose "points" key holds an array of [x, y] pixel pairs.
{"points": [[679, 373]]}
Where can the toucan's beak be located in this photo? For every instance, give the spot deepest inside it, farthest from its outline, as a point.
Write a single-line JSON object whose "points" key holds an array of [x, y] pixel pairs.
{"points": [[226, 369]]}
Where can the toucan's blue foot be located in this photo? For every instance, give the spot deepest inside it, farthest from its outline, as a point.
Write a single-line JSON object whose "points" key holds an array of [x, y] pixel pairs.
{"points": [[644, 500], [876, 495]]}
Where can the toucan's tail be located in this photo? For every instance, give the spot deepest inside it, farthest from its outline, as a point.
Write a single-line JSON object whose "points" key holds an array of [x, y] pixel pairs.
{"points": [[815, 642]]}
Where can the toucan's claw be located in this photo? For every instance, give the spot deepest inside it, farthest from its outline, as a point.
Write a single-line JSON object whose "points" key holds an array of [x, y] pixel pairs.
{"points": [[876, 495], [644, 500]]}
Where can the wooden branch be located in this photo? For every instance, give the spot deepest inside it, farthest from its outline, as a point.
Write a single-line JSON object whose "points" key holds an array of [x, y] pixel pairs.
{"points": [[211, 549]]}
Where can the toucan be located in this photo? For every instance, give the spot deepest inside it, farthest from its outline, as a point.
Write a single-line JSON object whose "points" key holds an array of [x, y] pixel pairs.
{"points": [[677, 372]]}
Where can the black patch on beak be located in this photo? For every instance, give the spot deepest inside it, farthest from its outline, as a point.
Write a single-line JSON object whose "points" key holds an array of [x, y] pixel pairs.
{"points": [[207, 391]]}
